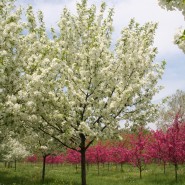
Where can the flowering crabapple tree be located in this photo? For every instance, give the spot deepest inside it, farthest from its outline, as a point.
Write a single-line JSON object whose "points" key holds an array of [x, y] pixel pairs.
{"points": [[76, 89], [97, 154], [42, 145], [158, 149], [11, 51], [119, 155], [138, 153], [171, 5], [55, 159], [175, 143], [14, 151], [32, 158], [73, 157]]}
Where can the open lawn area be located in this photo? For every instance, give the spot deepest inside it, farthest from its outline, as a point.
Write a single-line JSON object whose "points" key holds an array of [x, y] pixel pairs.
{"points": [[30, 174]]}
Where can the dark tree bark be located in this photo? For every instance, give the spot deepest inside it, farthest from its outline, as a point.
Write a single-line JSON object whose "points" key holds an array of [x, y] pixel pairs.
{"points": [[43, 167], [121, 167], [76, 168], [15, 164], [140, 172], [83, 160], [176, 169], [164, 166]]}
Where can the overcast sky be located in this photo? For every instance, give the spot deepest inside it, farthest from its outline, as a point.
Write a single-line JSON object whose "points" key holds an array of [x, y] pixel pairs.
{"points": [[142, 11]]}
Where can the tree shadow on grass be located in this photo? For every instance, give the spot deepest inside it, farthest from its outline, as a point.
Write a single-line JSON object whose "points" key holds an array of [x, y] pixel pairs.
{"points": [[6, 179]]}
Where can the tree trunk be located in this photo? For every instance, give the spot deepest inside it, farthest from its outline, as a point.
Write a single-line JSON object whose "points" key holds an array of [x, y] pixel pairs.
{"points": [[98, 165], [43, 168], [9, 164], [15, 162], [176, 168], [83, 160], [87, 167], [121, 167], [164, 166], [76, 168], [140, 173]]}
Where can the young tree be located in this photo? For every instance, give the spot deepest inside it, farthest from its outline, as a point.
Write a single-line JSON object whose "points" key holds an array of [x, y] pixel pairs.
{"points": [[42, 145], [72, 156], [119, 155], [32, 158], [158, 148], [14, 151], [138, 154], [176, 143], [55, 159], [97, 154], [76, 89]]}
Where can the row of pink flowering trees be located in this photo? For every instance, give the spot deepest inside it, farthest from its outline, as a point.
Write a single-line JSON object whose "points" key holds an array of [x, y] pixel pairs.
{"points": [[137, 149]]}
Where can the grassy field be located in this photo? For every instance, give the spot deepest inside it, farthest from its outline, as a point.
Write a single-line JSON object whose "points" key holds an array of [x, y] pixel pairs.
{"points": [[29, 174]]}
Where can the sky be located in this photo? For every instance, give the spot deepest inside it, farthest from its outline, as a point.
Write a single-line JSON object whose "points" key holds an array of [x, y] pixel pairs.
{"points": [[143, 11]]}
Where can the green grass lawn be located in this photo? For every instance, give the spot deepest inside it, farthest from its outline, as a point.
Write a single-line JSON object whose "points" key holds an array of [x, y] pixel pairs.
{"points": [[30, 174]]}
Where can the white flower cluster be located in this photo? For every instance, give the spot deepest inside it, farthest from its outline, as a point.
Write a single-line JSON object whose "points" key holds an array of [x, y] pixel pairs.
{"points": [[44, 148], [179, 39], [173, 4], [14, 150]]}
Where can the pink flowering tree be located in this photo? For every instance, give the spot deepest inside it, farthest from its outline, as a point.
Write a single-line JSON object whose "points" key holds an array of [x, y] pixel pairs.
{"points": [[119, 155], [176, 143], [138, 155], [158, 149], [73, 157], [97, 154], [55, 159], [32, 159]]}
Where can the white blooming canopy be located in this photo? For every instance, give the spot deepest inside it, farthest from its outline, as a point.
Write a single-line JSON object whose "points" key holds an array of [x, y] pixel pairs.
{"points": [[75, 86], [14, 150], [11, 52]]}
